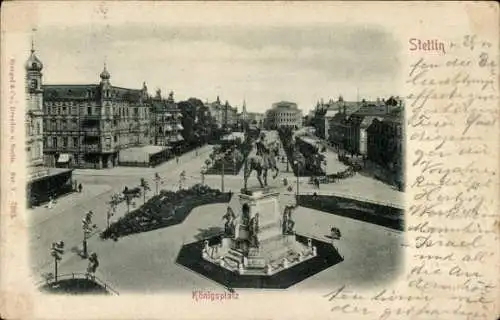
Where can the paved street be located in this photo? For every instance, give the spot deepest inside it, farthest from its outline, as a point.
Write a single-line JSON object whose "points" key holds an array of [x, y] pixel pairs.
{"points": [[147, 261]]}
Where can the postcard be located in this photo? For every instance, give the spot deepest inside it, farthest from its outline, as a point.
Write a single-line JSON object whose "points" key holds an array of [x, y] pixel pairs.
{"points": [[250, 160]]}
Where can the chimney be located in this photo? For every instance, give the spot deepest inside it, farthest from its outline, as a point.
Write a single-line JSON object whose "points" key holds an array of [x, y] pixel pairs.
{"points": [[344, 109], [386, 108]]}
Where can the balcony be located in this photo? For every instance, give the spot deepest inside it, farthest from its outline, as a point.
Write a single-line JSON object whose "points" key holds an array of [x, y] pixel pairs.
{"points": [[91, 148], [91, 131]]}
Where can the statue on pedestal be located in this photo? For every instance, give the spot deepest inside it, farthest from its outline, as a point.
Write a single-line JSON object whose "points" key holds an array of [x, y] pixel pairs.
{"points": [[264, 160], [253, 231], [229, 226], [288, 223]]}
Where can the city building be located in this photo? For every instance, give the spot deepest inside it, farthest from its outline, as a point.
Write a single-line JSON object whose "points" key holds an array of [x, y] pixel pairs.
{"points": [[254, 118], [283, 114], [88, 124], [165, 121], [224, 115], [385, 147], [43, 183]]}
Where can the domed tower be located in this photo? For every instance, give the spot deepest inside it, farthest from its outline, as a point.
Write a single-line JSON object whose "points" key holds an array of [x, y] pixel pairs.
{"points": [[34, 81], [105, 84], [34, 111]]}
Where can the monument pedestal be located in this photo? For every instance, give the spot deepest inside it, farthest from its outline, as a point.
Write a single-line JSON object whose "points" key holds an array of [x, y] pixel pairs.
{"points": [[259, 246]]}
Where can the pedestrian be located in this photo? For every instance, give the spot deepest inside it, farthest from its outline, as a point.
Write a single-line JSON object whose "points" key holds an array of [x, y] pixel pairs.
{"points": [[75, 186], [177, 160], [80, 188]]}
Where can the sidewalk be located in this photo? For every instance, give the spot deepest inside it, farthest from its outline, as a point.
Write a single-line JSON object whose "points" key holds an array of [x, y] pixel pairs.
{"points": [[67, 202], [142, 171]]}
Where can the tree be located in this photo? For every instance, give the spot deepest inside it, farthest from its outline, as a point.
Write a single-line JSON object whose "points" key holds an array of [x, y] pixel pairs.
{"points": [[57, 251], [87, 228]]}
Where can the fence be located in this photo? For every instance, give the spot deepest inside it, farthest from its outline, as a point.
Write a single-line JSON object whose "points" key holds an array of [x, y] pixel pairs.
{"points": [[348, 196], [80, 275]]}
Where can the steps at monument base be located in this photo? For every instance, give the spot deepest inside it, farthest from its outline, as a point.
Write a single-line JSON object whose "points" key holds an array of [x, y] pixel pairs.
{"points": [[230, 263], [235, 256]]}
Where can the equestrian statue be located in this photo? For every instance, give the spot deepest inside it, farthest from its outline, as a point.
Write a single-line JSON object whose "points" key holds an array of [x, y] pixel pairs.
{"points": [[262, 161]]}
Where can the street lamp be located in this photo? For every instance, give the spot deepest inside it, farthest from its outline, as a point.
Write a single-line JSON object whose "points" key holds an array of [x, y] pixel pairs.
{"points": [[203, 170], [157, 180], [112, 208], [298, 174]]}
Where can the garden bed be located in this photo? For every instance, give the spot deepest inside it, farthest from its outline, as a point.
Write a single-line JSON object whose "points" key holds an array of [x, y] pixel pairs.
{"points": [[365, 211], [75, 286], [163, 210]]}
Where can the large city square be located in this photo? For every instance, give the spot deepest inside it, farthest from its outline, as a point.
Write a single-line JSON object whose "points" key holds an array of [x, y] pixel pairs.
{"points": [[137, 191]]}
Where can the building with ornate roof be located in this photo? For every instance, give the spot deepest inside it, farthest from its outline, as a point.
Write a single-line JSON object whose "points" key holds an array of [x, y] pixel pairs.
{"points": [[165, 121], [88, 124], [43, 183], [224, 115], [284, 114]]}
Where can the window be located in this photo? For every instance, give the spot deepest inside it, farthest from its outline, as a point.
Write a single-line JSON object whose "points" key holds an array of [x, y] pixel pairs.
{"points": [[115, 139], [75, 142], [64, 110], [34, 84], [38, 130], [65, 142], [45, 142], [107, 111], [136, 112], [29, 154], [54, 142], [89, 111], [73, 111]]}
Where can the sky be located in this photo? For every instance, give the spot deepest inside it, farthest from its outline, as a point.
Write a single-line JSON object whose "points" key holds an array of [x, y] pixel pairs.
{"points": [[260, 63]]}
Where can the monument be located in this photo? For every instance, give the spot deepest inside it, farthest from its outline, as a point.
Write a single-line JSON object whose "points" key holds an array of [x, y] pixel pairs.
{"points": [[260, 241]]}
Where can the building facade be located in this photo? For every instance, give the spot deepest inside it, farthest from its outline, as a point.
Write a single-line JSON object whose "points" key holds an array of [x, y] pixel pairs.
{"points": [[43, 183], [284, 115], [87, 125], [224, 115], [166, 124], [34, 115], [385, 146]]}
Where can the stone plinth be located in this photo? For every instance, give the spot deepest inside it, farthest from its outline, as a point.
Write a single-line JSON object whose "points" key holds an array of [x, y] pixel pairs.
{"points": [[275, 251]]}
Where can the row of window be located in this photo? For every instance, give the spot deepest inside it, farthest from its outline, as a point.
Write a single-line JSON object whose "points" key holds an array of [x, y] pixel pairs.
{"points": [[123, 111], [34, 152], [64, 142], [33, 129]]}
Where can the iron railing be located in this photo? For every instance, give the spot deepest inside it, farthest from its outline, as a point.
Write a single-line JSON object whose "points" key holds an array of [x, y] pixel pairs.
{"points": [[80, 275]]}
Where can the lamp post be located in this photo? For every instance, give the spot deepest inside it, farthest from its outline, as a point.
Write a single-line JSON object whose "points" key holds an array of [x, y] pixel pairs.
{"points": [[298, 174], [157, 180], [203, 170], [222, 176]]}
